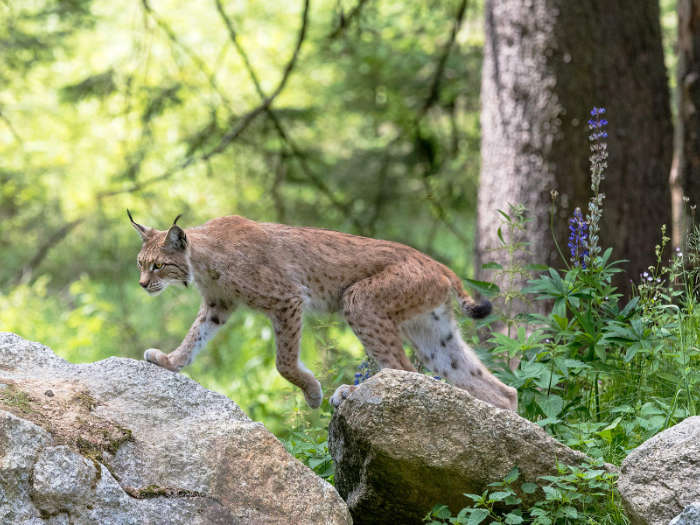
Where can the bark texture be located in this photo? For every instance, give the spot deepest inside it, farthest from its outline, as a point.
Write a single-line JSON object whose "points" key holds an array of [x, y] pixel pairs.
{"points": [[685, 177], [546, 64]]}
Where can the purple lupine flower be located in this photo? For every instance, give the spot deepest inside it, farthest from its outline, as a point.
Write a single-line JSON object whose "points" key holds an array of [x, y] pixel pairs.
{"points": [[363, 374], [578, 239], [596, 125], [598, 158]]}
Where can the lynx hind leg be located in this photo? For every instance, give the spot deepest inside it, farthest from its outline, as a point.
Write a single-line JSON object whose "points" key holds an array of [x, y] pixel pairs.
{"points": [[439, 346], [382, 341], [365, 308]]}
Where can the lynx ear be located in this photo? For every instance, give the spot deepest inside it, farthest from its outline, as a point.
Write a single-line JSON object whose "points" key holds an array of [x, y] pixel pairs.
{"points": [[143, 231], [175, 239]]}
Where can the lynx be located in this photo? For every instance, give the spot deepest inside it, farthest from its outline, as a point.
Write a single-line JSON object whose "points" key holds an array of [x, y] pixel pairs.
{"points": [[387, 292]]}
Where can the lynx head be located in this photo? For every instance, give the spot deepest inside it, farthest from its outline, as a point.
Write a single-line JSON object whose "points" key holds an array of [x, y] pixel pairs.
{"points": [[164, 257]]}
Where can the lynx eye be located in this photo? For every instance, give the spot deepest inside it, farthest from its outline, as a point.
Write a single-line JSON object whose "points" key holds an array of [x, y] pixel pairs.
{"points": [[157, 266]]}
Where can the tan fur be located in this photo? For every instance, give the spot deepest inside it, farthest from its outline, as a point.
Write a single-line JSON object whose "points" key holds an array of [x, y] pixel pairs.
{"points": [[386, 291]]}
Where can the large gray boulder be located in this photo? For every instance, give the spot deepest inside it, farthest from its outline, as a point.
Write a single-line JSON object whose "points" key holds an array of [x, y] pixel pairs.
{"points": [[662, 476], [404, 442], [689, 516], [126, 442]]}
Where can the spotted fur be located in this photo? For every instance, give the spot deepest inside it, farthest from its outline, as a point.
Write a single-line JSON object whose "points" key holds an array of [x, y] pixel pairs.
{"points": [[387, 292]]}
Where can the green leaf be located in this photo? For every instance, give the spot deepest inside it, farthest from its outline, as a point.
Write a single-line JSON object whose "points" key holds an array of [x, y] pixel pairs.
{"points": [[548, 421], [483, 287], [478, 515], [439, 511], [512, 500], [629, 307], [552, 493], [528, 488], [499, 496], [491, 266], [512, 475], [606, 255], [542, 519], [315, 462], [600, 352], [631, 352], [462, 516], [606, 433], [504, 215], [513, 518], [551, 406]]}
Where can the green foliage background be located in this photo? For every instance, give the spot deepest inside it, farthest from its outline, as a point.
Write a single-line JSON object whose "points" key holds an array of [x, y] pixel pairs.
{"points": [[108, 105], [101, 104]]}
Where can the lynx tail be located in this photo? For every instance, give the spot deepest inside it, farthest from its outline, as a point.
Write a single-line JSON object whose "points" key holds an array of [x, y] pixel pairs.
{"points": [[466, 303]]}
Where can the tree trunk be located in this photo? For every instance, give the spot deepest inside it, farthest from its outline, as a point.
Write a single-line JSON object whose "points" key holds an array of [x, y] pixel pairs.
{"points": [[685, 176], [546, 64]]}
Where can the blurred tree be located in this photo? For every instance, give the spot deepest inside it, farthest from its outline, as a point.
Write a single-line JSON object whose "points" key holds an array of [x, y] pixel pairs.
{"points": [[32, 34], [685, 174], [545, 61]]}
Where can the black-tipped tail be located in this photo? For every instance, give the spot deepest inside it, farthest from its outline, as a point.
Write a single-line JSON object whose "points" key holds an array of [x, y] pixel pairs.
{"points": [[479, 311]]}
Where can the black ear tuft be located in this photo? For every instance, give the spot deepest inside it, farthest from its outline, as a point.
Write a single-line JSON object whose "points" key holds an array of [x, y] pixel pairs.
{"points": [[175, 239], [176, 219], [479, 311], [143, 231]]}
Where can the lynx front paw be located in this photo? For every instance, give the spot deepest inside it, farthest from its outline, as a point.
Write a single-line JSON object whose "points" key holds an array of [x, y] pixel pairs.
{"points": [[155, 356], [341, 394], [314, 396]]}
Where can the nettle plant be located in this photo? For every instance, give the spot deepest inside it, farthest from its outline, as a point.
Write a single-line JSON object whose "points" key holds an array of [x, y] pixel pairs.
{"points": [[584, 494], [600, 374]]}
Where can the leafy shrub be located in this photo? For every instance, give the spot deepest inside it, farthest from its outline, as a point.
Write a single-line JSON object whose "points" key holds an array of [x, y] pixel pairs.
{"points": [[599, 374], [310, 446], [583, 494]]}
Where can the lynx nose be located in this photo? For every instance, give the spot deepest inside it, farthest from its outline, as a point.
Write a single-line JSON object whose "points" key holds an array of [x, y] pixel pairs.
{"points": [[143, 284]]}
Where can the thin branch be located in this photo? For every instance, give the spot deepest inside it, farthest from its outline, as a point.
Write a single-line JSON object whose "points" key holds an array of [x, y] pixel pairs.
{"points": [[56, 237], [12, 129], [233, 36], [267, 100], [172, 36], [434, 93], [432, 98], [279, 128], [317, 181], [381, 195], [234, 133], [440, 212], [345, 21]]}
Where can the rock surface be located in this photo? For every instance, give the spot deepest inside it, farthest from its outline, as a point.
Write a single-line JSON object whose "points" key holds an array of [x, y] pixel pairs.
{"points": [[661, 477], [126, 442], [689, 516], [404, 442]]}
